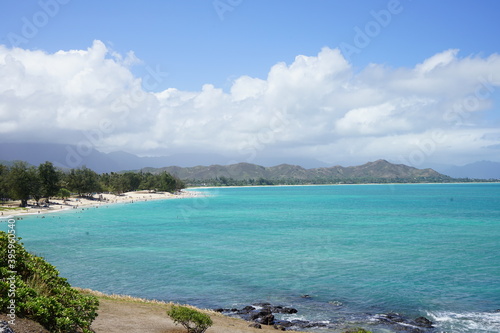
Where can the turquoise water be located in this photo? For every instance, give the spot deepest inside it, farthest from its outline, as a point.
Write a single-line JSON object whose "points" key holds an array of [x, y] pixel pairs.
{"points": [[357, 250]]}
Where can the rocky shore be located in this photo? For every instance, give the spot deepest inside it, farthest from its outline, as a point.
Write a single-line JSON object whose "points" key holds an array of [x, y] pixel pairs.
{"points": [[267, 314]]}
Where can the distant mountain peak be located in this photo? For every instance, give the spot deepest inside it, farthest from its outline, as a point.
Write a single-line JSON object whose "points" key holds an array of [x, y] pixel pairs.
{"points": [[476, 170], [377, 170]]}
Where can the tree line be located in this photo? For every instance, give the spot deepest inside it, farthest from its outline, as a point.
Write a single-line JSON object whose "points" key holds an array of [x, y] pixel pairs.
{"points": [[24, 182], [228, 181]]}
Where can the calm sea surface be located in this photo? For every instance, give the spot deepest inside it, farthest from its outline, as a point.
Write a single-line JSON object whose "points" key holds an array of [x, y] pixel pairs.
{"points": [[357, 250]]}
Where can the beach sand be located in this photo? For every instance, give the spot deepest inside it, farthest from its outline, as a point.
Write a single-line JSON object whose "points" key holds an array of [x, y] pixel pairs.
{"points": [[98, 200]]}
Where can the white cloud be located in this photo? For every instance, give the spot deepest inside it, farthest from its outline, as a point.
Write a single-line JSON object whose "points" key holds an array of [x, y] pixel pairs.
{"points": [[316, 107], [441, 59], [373, 121]]}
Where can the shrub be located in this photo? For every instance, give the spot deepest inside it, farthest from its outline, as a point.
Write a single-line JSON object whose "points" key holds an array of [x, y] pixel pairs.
{"points": [[194, 321], [40, 293]]}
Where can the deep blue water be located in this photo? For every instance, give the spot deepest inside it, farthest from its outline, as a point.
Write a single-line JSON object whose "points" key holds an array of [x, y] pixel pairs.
{"points": [[357, 250]]}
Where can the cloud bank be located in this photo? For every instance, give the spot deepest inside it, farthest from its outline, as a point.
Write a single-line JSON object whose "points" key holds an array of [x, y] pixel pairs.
{"points": [[318, 107]]}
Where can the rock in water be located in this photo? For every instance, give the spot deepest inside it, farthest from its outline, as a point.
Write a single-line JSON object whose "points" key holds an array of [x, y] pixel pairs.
{"points": [[260, 314], [267, 320], [424, 322]]}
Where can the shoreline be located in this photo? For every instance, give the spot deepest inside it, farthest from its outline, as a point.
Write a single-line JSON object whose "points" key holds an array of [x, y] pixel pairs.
{"points": [[253, 317], [104, 199]]}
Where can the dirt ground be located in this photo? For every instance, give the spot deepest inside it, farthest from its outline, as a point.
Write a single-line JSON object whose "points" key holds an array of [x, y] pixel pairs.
{"points": [[118, 314], [23, 325]]}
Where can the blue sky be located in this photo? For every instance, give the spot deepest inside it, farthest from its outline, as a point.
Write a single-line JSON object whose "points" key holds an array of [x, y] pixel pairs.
{"points": [[188, 39], [198, 43]]}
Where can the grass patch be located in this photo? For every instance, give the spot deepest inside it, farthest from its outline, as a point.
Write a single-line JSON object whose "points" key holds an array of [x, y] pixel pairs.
{"points": [[3, 208]]}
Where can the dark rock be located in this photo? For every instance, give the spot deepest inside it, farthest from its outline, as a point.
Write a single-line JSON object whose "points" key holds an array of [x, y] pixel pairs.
{"points": [[395, 317], [283, 323], [5, 328], [219, 310], [260, 314], [266, 320], [234, 310], [409, 329], [247, 309], [305, 296], [402, 324], [423, 322], [302, 323], [281, 309], [255, 325], [279, 327]]}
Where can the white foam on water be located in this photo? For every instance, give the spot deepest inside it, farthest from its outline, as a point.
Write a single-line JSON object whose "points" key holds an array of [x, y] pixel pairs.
{"points": [[291, 317], [466, 322]]}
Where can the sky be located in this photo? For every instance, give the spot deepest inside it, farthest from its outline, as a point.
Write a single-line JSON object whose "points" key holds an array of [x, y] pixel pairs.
{"points": [[308, 82]]}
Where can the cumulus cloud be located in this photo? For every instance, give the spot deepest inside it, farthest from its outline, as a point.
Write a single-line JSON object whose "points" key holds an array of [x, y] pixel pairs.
{"points": [[317, 107]]}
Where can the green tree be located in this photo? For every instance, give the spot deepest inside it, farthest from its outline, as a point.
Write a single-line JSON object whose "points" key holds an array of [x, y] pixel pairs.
{"points": [[133, 179], [4, 175], [166, 182], [119, 183], [35, 184], [23, 182], [149, 182], [105, 182], [49, 178], [194, 321], [169, 183], [83, 181], [64, 193]]}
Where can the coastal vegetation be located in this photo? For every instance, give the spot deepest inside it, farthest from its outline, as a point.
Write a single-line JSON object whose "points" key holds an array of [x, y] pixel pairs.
{"points": [[23, 182], [31, 287], [192, 320]]}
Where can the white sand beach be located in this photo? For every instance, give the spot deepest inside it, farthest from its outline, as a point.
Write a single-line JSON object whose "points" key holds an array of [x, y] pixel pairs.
{"points": [[100, 199]]}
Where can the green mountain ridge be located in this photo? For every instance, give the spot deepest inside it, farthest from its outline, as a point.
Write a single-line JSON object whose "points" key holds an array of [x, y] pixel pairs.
{"points": [[378, 171]]}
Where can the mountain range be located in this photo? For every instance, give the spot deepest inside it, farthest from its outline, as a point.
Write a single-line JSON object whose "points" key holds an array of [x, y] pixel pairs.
{"points": [[476, 170], [378, 170], [187, 165], [71, 156]]}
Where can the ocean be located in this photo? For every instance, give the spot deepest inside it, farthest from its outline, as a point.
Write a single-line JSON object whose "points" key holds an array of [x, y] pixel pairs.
{"points": [[342, 255]]}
